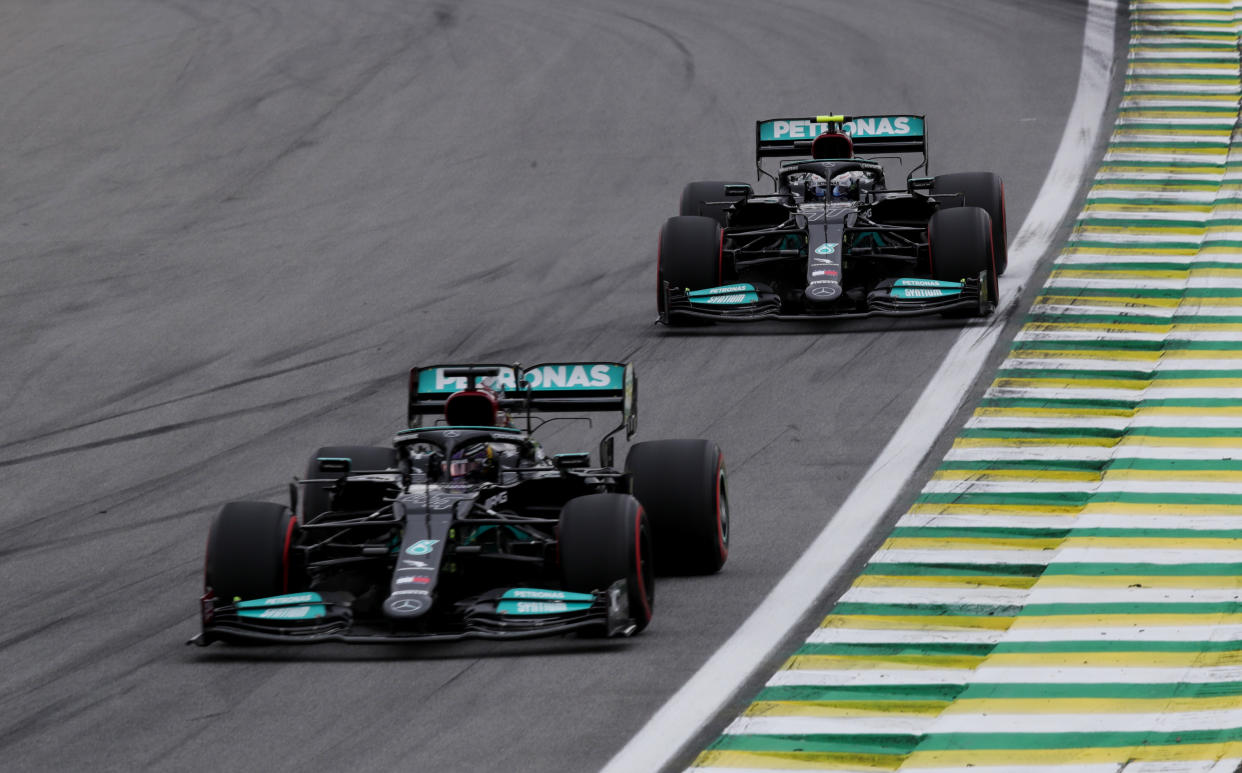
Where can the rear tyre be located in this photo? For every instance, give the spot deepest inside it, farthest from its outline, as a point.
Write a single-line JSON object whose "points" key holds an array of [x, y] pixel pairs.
{"points": [[248, 551], [695, 194], [690, 257], [605, 538], [985, 190], [681, 485], [316, 498], [960, 247]]}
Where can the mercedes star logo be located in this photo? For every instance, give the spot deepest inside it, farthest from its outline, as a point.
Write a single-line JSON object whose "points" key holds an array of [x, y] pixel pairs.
{"points": [[407, 605]]}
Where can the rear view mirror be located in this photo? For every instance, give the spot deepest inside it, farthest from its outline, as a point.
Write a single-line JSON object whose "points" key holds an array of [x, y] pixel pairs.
{"points": [[738, 189]]}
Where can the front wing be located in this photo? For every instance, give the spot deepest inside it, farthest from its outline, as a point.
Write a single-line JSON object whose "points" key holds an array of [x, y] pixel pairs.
{"points": [[312, 618]]}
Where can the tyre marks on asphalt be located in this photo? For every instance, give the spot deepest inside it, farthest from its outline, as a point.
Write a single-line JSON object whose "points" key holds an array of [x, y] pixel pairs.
{"points": [[1065, 592]]}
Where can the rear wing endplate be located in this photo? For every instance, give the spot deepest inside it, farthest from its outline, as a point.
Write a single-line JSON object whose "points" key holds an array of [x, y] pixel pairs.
{"points": [[550, 387]]}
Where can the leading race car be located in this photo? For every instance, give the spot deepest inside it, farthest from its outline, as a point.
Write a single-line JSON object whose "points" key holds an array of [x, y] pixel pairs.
{"points": [[832, 240], [467, 528]]}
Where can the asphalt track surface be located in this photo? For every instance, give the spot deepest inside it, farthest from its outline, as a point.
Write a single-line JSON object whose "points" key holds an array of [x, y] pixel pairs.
{"points": [[227, 229]]}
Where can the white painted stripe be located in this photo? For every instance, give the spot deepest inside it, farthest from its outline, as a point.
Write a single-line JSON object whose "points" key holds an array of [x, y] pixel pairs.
{"points": [[1096, 555], [1087, 334], [1138, 633], [984, 596], [1224, 765], [1053, 453], [1105, 422], [681, 718], [954, 722], [1091, 520], [1093, 393], [1218, 283], [1186, 488], [891, 722], [985, 674], [1144, 595], [1171, 366]]}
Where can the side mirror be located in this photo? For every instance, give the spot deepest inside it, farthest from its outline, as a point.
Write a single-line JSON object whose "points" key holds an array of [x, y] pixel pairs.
{"points": [[293, 496], [738, 189], [800, 221]]}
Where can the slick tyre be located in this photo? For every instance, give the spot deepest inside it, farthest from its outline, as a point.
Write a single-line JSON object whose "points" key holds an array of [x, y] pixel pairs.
{"points": [[695, 195], [960, 247], [681, 484], [316, 498], [248, 551], [985, 190], [605, 538], [690, 257]]}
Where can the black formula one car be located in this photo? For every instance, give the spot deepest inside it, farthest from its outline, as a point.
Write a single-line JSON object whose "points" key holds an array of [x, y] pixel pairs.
{"points": [[832, 241], [467, 529]]}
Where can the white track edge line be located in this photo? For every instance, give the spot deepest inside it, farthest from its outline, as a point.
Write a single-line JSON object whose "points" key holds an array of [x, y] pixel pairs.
{"points": [[688, 711]]}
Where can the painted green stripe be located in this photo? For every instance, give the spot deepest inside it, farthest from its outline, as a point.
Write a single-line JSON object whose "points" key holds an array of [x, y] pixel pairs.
{"points": [[1122, 406], [1133, 608], [928, 610], [861, 692], [992, 741], [950, 569], [1102, 690], [1156, 570], [1110, 646], [846, 744], [1097, 244], [1117, 375]]}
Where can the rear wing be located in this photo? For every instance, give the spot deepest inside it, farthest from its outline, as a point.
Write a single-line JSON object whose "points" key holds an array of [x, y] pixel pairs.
{"points": [[870, 133], [550, 387]]}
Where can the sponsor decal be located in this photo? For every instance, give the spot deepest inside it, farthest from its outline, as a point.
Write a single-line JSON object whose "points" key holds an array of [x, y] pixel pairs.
{"points": [[419, 579], [818, 261], [509, 607], [539, 594], [422, 547], [407, 604], [826, 272], [568, 376], [827, 248], [924, 292], [879, 126], [825, 291], [498, 499], [409, 563], [286, 600], [927, 283], [404, 592]]}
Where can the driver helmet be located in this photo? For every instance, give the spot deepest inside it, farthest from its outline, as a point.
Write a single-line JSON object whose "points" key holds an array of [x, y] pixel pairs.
{"points": [[848, 185], [815, 187], [475, 463]]}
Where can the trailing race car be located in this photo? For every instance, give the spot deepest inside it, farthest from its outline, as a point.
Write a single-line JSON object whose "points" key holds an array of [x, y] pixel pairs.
{"points": [[832, 240], [466, 528]]}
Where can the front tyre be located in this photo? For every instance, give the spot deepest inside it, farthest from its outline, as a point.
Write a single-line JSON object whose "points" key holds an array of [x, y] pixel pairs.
{"points": [[984, 190], [960, 247], [691, 255], [605, 538], [682, 485], [248, 551]]}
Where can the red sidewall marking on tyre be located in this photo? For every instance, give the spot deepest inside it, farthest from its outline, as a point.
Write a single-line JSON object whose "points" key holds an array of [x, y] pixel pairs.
{"points": [[284, 559], [638, 559], [720, 537]]}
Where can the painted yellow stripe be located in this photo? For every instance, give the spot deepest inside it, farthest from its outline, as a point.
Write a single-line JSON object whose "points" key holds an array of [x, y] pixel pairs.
{"points": [[880, 662], [845, 708], [1135, 249], [1182, 274], [1042, 543], [1206, 622], [916, 622], [1154, 206], [1160, 410], [1154, 543], [943, 581], [1087, 705], [985, 476], [1088, 756], [1095, 442], [859, 763]]}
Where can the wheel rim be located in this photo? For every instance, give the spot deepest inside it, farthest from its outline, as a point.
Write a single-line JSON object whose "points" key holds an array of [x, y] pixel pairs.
{"points": [[722, 512]]}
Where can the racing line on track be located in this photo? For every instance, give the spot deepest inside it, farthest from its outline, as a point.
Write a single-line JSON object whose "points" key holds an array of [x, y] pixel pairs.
{"points": [[1064, 593]]}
